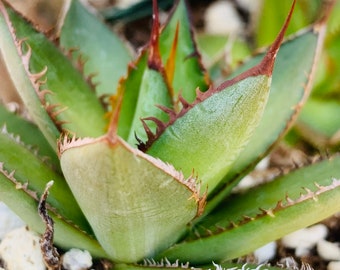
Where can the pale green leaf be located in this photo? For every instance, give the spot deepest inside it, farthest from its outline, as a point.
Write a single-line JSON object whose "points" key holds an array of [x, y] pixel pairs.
{"points": [[136, 205], [290, 88], [279, 216], [31, 59], [105, 55]]}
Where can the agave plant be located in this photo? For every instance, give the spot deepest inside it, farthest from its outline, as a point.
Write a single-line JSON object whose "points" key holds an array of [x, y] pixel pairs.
{"points": [[144, 153]]}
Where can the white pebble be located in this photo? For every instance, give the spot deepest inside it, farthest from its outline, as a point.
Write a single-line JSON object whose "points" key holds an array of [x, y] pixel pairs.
{"points": [[328, 251], [8, 220], [125, 3], [266, 252], [250, 5], [76, 259], [305, 239], [333, 265], [221, 18], [20, 249]]}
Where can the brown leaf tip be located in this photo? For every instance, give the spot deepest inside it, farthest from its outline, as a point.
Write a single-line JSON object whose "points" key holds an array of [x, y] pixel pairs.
{"points": [[155, 61], [267, 64]]}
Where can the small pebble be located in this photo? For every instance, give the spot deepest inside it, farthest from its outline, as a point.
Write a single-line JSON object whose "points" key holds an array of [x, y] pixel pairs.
{"points": [[328, 251], [333, 265], [125, 3], [222, 18], [251, 5], [265, 253], [8, 220], [20, 249], [76, 259], [305, 239]]}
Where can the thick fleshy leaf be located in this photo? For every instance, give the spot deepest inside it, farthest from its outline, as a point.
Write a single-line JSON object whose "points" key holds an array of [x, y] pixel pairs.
{"points": [[207, 136], [179, 53], [31, 59], [284, 208], [105, 55], [289, 90], [29, 134], [207, 139], [21, 183], [141, 205], [35, 174], [25, 204], [9, 51]]}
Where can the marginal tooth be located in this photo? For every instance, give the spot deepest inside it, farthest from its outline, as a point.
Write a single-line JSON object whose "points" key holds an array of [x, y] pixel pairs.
{"points": [[4, 129], [56, 113], [335, 182], [160, 124], [247, 218], [17, 139], [200, 94], [148, 131], [11, 174], [50, 107], [20, 41], [289, 200], [318, 186], [233, 224], [184, 103], [185, 265], [19, 185], [43, 93], [167, 262], [153, 262], [26, 56], [309, 192], [172, 114], [279, 205], [197, 234], [220, 228], [39, 75], [268, 212]]}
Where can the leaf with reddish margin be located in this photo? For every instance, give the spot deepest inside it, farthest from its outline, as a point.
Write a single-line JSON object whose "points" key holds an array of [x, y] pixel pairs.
{"points": [[208, 135]]}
